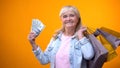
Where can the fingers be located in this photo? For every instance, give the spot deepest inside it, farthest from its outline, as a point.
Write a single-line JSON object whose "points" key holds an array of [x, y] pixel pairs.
{"points": [[83, 29], [31, 36]]}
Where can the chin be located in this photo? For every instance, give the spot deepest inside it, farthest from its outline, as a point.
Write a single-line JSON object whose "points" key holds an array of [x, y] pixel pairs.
{"points": [[69, 26]]}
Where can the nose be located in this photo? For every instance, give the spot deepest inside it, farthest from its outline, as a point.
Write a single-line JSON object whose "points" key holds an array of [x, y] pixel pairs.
{"points": [[68, 18]]}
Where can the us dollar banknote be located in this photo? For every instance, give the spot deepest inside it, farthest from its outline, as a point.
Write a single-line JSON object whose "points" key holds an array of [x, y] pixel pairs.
{"points": [[37, 26]]}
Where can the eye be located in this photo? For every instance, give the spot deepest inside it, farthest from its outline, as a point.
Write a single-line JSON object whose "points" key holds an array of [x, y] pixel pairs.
{"points": [[72, 15], [64, 16]]}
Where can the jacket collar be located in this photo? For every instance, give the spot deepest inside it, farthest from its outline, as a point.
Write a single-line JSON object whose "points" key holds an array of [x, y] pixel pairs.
{"points": [[60, 35]]}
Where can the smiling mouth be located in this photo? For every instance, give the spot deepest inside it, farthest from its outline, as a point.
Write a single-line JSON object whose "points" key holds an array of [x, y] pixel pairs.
{"points": [[68, 22]]}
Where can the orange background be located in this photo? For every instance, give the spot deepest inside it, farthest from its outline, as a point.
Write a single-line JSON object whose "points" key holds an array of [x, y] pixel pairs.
{"points": [[15, 23]]}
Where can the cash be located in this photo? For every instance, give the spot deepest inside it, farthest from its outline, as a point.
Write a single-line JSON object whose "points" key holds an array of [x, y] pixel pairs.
{"points": [[37, 26]]}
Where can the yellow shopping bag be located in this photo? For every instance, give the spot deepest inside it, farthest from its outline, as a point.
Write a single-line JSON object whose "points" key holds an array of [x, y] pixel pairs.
{"points": [[102, 38], [111, 38], [111, 52]]}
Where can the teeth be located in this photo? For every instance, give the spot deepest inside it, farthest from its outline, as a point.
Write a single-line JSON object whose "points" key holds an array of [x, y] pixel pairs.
{"points": [[69, 22]]}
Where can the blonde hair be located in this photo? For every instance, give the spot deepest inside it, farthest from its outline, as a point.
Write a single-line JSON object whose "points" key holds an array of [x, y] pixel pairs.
{"points": [[67, 8], [63, 10]]}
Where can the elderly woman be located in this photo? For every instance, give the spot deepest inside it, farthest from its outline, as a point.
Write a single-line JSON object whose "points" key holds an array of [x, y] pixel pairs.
{"points": [[68, 48]]}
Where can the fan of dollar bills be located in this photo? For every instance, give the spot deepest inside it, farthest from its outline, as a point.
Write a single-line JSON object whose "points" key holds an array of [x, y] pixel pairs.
{"points": [[37, 26]]}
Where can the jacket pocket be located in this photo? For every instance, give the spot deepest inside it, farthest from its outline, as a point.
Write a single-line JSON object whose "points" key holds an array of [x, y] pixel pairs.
{"points": [[77, 50], [50, 49]]}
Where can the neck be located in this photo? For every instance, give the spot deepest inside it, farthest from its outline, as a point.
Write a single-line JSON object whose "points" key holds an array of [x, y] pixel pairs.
{"points": [[69, 31]]}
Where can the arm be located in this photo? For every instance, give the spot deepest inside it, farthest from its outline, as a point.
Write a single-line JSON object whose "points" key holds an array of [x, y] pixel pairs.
{"points": [[86, 48], [42, 57]]}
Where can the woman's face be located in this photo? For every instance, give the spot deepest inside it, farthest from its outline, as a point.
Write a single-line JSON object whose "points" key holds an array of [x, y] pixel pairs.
{"points": [[69, 19]]}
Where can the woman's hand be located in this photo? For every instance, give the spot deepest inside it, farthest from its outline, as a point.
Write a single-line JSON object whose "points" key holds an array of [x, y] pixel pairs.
{"points": [[80, 32], [31, 38]]}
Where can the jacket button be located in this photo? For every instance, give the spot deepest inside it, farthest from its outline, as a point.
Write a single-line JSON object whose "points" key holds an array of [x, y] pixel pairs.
{"points": [[70, 61]]}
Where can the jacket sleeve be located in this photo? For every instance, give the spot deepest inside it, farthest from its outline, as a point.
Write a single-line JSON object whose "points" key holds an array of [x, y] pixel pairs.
{"points": [[86, 48], [44, 57]]}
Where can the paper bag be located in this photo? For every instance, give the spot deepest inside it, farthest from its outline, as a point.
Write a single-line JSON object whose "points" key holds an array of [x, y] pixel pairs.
{"points": [[111, 51], [100, 53], [110, 31], [114, 41]]}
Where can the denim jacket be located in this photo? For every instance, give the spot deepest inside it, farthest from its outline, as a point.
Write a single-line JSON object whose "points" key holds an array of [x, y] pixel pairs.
{"points": [[80, 51]]}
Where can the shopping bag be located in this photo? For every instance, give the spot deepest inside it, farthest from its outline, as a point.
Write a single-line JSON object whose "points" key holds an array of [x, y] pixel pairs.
{"points": [[102, 38], [110, 31], [100, 53], [101, 35], [114, 41], [111, 51]]}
